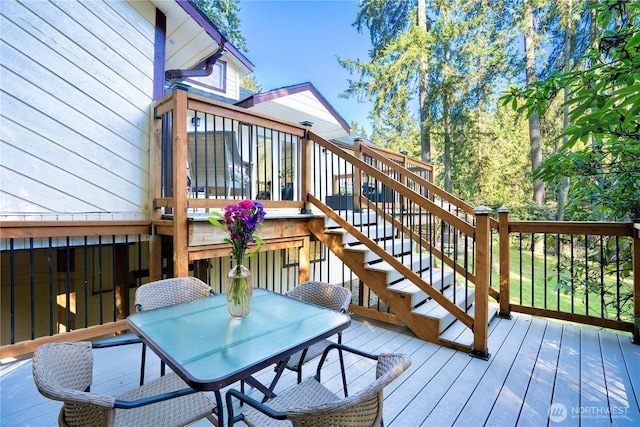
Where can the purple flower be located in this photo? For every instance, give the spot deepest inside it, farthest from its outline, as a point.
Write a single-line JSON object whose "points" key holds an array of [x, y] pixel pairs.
{"points": [[241, 221]]}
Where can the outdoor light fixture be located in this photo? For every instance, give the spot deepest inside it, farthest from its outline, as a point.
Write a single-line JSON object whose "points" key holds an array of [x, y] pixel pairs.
{"points": [[195, 121]]}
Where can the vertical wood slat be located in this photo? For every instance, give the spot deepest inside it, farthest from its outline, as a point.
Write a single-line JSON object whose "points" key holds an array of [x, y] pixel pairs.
{"points": [[483, 252]]}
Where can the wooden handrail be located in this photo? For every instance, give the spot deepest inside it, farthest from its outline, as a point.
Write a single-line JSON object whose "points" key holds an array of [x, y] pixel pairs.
{"points": [[27, 229], [405, 271], [420, 241], [427, 184], [209, 106], [27, 347], [420, 200], [393, 155], [573, 227]]}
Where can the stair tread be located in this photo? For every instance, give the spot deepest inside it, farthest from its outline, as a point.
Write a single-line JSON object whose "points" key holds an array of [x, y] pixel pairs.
{"points": [[367, 216], [407, 260], [373, 233], [450, 329], [458, 333], [434, 310], [406, 286], [405, 244]]}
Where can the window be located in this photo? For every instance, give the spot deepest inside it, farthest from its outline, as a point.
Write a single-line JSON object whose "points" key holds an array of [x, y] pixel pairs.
{"points": [[216, 81]]}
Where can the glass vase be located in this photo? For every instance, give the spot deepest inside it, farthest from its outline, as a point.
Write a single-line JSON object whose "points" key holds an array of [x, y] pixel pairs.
{"points": [[239, 291]]}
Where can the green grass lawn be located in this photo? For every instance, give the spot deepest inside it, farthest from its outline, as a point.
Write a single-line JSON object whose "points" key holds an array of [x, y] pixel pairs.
{"points": [[533, 283]]}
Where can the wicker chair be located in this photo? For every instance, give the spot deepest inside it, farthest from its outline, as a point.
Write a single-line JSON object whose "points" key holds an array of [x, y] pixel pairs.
{"points": [[310, 404], [326, 295], [163, 293], [63, 371]]}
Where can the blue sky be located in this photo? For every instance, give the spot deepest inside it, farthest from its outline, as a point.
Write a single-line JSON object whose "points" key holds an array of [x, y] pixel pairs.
{"points": [[296, 41]]}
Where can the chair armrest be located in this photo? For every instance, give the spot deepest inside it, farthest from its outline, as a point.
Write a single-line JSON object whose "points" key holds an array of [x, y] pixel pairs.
{"points": [[130, 404], [115, 343], [278, 415], [341, 347]]}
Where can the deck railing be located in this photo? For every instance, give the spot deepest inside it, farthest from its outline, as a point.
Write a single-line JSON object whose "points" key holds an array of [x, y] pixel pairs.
{"points": [[77, 280], [210, 153], [583, 272], [413, 230], [60, 276]]}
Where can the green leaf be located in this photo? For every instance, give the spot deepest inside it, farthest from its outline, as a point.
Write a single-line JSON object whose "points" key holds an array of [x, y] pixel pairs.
{"points": [[633, 41], [217, 219]]}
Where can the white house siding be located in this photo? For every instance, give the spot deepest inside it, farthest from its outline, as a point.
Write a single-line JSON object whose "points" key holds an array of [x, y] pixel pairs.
{"points": [[233, 81], [76, 96]]}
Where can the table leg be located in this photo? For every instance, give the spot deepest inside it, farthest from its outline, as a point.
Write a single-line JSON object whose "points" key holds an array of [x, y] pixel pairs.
{"points": [[219, 421], [268, 391]]}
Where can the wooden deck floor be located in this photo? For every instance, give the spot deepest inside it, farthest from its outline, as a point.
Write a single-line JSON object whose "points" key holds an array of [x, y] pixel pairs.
{"points": [[540, 373]]}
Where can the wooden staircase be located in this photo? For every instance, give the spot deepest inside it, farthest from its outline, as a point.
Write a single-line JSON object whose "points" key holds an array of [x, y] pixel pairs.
{"points": [[410, 303]]}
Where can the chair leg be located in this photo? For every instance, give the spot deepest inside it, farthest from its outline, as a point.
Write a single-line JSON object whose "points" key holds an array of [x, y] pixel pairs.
{"points": [[219, 409], [144, 357], [300, 363], [344, 375]]}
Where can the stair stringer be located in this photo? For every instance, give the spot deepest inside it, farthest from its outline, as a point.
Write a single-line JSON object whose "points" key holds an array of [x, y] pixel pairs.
{"points": [[425, 328]]}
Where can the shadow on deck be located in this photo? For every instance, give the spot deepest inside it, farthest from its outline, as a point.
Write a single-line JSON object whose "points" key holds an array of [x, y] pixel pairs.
{"points": [[540, 373]]}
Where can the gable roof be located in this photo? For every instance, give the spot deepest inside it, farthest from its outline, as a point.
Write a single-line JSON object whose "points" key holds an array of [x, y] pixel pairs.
{"points": [[299, 103]]}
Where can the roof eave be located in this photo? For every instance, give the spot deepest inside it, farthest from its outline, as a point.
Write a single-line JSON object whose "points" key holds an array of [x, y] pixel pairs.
{"points": [[290, 90], [214, 33]]}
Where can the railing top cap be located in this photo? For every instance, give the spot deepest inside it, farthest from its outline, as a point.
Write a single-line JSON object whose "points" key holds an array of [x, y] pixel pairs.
{"points": [[482, 210]]}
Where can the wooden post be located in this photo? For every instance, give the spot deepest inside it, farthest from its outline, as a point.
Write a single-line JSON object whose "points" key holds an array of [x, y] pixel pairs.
{"points": [[357, 179], [180, 220], [404, 179], [304, 260], [636, 279], [505, 263], [483, 260], [306, 166]]}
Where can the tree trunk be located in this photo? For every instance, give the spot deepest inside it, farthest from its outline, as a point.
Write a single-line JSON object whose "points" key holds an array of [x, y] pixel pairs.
{"points": [[480, 196], [534, 120], [425, 125], [598, 215], [446, 118], [563, 191]]}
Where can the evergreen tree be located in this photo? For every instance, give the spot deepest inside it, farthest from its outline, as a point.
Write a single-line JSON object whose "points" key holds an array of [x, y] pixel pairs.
{"points": [[224, 14], [251, 82], [601, 154], [430, 59]]}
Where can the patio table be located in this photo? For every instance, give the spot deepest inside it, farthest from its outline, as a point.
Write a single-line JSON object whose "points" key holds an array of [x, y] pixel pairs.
{"points": [[209, 350]]}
